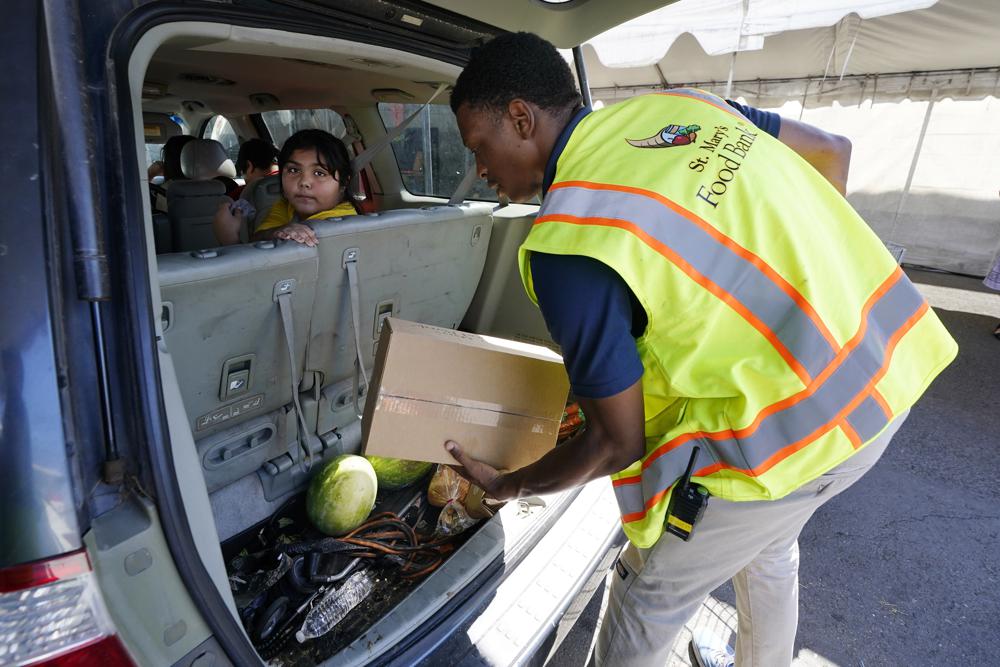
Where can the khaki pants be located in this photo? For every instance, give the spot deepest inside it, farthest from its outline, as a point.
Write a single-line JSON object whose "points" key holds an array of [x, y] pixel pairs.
{"points": [[653, 592]]}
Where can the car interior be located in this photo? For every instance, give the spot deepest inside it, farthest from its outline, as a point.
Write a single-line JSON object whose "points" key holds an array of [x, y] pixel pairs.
{"points": [[256, 341]]}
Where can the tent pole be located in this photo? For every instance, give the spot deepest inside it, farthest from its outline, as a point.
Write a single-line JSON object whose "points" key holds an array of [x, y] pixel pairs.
{"points": [[663, 79], [581, 76], [744, 7], [913, 165], [829, 59], [729, 81], [850, 50], [805, 94]]}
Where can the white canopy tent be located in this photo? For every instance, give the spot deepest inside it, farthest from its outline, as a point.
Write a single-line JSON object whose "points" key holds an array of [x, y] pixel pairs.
{"points": [[913, 85], [895, 43]]}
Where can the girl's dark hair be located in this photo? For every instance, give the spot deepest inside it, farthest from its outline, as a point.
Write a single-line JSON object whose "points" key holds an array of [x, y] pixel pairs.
{"points": [[330, 153], [171, 154]]}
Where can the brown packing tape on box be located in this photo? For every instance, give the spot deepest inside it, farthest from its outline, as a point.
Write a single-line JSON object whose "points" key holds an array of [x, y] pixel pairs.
{"points": [[502, 401], [500, 439]]}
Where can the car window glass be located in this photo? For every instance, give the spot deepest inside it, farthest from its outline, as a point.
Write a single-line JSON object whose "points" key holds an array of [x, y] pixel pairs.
{"points": [[285, 123], [156, 136], [220, 129], [431, 157]]}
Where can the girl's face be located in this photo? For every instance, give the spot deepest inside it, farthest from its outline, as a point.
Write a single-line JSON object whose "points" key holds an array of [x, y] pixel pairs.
{"points": [[309, 186]]}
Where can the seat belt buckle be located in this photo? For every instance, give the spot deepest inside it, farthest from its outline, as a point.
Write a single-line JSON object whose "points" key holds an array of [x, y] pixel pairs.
{"points": [[350, 256], [283, 287], [687, 503]]}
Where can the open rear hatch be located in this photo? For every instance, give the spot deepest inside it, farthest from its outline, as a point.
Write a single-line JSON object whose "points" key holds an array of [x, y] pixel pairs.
{"points": [[305, 598]]}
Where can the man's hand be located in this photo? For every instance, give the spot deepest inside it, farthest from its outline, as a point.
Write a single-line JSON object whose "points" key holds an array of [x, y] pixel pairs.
{"points": [[483, 475], [828, 153], [298, 232], [613, 440]]}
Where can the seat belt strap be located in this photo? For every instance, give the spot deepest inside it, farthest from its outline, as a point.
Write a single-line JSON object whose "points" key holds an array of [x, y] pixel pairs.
{"points": [[366, 156], [283, 295], [463, 188], [351, 257]]}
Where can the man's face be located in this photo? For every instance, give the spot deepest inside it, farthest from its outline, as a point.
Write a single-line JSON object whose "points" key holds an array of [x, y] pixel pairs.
{"points": [[505, 156]]}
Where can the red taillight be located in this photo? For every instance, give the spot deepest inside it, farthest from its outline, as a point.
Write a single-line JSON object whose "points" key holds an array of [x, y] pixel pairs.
{"points": [[105, 652], [52, 613], [44, 572]]}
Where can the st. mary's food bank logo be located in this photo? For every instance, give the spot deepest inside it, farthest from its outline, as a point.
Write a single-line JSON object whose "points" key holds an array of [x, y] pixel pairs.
{"points": [[728, 146], [671, 135]]}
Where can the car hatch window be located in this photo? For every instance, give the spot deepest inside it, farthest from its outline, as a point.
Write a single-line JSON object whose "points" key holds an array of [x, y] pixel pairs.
{"points": [[283, 124], [220, 129], [431, 157]]}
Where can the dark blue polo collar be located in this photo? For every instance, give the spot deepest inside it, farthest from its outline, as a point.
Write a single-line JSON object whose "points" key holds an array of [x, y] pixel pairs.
{"points": [[550, 167]]}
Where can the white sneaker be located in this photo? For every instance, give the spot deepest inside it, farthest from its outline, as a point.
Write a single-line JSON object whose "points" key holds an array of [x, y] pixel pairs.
{"points": [[710, 650]]}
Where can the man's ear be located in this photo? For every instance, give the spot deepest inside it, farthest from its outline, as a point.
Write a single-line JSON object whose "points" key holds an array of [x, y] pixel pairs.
{"points": [[522, 115]]}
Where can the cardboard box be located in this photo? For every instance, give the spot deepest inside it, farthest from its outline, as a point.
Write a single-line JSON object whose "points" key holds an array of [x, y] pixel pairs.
{"points": [[501, 400]]}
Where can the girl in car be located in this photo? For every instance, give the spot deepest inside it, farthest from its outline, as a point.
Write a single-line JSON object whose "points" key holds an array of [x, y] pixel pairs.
{"points": [[316, 177]]}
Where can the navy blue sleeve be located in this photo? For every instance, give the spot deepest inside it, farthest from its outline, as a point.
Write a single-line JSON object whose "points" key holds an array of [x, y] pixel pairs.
{"points": [[587, 308], [768, 121]]}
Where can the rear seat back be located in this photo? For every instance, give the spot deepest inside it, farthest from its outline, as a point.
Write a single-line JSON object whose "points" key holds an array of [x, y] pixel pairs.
{"points": [[263, 194], [417, 264], [223, 328], [192, 204]]}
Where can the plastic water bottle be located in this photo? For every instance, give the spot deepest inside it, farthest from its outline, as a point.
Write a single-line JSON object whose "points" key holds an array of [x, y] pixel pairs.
{"points": [[335, 605]]}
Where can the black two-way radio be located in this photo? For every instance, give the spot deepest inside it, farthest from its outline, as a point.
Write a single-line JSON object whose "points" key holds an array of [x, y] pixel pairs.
{"points": [[687, 503]]}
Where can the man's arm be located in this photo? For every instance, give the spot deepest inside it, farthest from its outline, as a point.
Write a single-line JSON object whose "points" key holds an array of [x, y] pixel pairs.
{"points": [[588, 311], [828, 153], [613, 439]]}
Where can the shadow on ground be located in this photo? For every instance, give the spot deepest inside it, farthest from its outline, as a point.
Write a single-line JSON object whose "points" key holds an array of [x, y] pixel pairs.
{"points": [[903, 567]]}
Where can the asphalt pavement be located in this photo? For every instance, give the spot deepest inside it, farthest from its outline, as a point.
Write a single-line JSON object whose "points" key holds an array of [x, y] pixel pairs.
{"points": [[903, 567]]}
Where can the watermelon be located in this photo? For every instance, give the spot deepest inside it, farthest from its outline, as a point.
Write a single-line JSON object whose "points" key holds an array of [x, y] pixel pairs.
{"points": [[342, 494], [397, 473]]}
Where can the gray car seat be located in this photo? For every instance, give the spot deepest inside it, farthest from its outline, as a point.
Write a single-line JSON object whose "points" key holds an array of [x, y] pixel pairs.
{"points": [[262, 193], [418, 264], [191, 204], [225, 325]]}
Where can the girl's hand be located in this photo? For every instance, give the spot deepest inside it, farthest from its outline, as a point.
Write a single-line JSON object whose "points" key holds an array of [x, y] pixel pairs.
{"points": [[298, 232], [226, 225]]}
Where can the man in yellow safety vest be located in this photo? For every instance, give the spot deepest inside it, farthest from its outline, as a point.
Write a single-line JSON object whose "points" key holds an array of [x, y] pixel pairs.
{"points": [[722, 310]]}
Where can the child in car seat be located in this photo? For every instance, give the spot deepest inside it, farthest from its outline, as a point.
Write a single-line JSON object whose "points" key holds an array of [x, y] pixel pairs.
{"points": [[316, 178]]}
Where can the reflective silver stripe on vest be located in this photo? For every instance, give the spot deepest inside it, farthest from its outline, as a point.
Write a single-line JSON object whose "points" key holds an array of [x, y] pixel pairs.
{"points": [[629, 496], [718, 263], [795, 425], [867, 419]]}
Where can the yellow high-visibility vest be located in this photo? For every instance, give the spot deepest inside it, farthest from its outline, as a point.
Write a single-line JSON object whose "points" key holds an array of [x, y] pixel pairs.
{"points": [[782, 336]]}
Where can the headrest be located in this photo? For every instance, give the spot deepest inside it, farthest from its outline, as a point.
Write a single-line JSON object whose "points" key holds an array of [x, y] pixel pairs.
{"points": [[204, 159], [183, 188]]}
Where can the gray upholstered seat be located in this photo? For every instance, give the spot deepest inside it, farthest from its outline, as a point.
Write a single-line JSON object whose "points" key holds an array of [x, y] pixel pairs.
{"points": [[262, 193], [191, 204], [420, 264], [223, 326]]}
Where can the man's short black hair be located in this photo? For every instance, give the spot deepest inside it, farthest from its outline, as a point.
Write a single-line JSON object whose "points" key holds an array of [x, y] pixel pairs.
{"points": [[516, 65], [257, 152]]}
